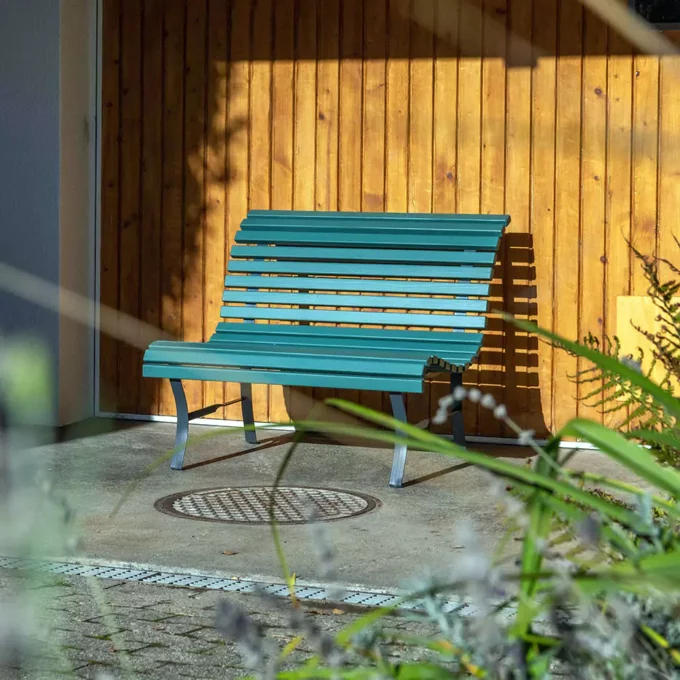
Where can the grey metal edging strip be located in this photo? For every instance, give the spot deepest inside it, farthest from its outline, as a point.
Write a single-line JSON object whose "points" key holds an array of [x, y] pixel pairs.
{"points": [[352, 596]]}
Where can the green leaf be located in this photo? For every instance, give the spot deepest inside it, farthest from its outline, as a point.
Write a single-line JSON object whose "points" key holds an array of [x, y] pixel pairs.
{"points": [[661, 571], [604, 362], [540, 521], [634, 457]]}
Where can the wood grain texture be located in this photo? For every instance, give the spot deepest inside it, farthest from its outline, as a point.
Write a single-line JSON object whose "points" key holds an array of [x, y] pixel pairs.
{"points": [[238, 158], [645, 163], [110, 199], [669, 165], [129, 358], [350, 123], [172, 253], [493, 189], [421, 125], [327, 125], [217, 134], [152, 185], [215, 106], [304, 152], [372, 131], [567, 203], [469, 139], [195, 148], [282, 148], [543, 168], [593, 193]]}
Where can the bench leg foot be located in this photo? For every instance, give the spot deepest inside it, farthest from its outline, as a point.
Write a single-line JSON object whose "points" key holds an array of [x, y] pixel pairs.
{"points": [[458, 429], [182, 433], [399, 460], [247, 410]]}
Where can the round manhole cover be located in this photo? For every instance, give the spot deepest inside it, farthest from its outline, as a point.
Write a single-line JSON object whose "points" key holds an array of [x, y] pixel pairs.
{"points": [[250, 504]]}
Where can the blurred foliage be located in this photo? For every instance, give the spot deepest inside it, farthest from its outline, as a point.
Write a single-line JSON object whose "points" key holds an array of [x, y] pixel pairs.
{"points": [[622, 401]]}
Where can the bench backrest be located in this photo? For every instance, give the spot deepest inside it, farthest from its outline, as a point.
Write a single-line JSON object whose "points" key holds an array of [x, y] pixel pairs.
{"points": [[393, 269]]}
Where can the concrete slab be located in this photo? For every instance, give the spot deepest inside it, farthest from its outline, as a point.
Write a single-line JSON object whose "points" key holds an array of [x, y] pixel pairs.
{"points": [[412, 529]]}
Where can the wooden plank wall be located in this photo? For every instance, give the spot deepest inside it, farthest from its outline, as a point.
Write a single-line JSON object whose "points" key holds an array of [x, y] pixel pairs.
{"points": [[214, 107]]}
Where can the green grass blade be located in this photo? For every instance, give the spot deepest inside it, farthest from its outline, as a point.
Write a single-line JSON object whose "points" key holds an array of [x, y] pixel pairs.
{"points": [[634, 457], [660, 438], [436, 444]]}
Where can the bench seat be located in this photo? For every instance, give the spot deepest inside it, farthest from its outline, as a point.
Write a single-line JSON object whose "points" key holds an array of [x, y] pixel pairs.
{"points": [[314, 356], [362, 301]]}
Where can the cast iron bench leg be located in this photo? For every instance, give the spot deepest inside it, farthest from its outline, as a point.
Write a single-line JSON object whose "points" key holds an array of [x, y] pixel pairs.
{"points": [[399, 460], [182, 433], [457, 412], [247, 410]]}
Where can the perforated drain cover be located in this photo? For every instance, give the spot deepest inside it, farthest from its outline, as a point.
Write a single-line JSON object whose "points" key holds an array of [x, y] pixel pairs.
{"points": [[251, 504]]}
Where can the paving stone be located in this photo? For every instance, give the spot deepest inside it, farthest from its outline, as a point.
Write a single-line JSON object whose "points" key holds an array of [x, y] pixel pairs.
{"points": [[161, 632]]}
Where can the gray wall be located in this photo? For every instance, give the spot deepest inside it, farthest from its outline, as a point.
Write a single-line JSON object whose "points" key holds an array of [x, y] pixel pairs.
{"points": [[39, 177], [29, 156]]}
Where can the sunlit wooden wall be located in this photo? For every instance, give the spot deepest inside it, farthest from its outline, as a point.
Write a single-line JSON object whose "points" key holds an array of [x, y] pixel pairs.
{"points": [[535, 109]]}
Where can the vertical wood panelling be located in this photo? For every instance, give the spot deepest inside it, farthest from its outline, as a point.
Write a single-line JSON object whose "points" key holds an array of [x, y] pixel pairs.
{"points": [[373, 127], [567, 208], [421, 118], [645, 163], [110, 193], [618, 195], [238, 117], [173, 198], [328, 114], [398, 83], [195, 143], [129, 359], [669, 164], [518, 276], [215, 180], [260, 138], [593, 188], [619, 184], [470, 135], [282, 147], [543, 117], [444, 158], [304, 152], [212, 107], [152, 185], [492, 190], [350, 122], [397, 114]]}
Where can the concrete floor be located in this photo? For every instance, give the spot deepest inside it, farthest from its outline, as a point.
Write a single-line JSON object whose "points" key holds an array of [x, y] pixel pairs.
{"points": [[413, 528]]}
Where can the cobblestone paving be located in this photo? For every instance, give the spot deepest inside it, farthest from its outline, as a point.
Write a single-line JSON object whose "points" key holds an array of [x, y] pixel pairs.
{"points": [[96, 629]]}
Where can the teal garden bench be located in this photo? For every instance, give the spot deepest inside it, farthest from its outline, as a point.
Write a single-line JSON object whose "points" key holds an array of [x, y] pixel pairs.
{"points": [[425, 274]]}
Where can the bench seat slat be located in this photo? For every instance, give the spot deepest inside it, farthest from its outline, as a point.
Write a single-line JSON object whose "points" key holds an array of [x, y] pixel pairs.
{"points": [[289, 378], [362, 301], [287, 360], [372, 318], [227, 350], [333, 334], [460, 355], [373, 238], [357, 285], [373, 255], [357, 269]]}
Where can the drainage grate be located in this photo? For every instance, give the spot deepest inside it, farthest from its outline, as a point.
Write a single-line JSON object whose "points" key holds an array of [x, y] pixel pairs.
{"points": [[352, 596], [251, 504]]}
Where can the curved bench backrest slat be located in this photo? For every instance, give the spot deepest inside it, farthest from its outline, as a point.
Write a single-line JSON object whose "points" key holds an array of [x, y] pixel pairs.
{"points": [[411, 270]]}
